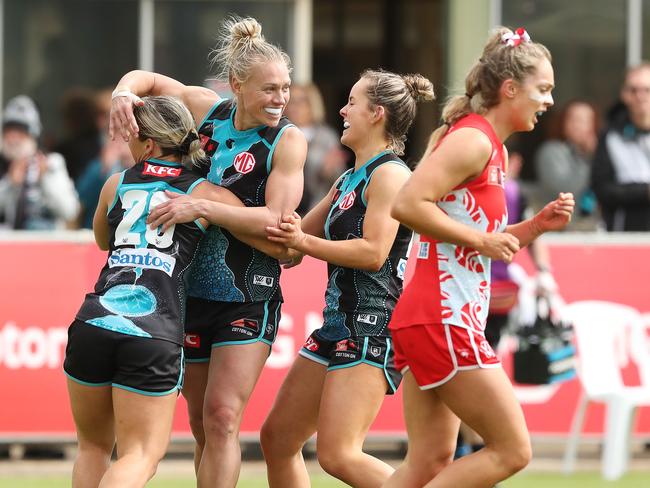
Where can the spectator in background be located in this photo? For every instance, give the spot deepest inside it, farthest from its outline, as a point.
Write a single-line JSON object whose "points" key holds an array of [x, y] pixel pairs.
{"points": [[326, 159], [621, 167], [563, 163], [82, 142], [114, 156], [36, 192]]}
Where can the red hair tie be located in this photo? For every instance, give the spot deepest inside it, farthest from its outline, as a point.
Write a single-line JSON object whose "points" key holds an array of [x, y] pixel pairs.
{"points": [[515, 38]]}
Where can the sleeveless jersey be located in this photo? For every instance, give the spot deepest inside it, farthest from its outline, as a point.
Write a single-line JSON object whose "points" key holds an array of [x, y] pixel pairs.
{"points": [[140, 289], [359, 302], [226, 269], [451, 284]]}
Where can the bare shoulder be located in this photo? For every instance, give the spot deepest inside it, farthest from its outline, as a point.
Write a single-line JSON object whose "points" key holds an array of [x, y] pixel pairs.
{"points": [[199, 100], [474, 142], [387, 179], [463, 152], [291, 149], [293, 135]]}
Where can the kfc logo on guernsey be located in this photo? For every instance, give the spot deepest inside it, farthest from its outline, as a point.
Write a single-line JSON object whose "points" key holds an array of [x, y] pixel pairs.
{"points": [[348, 200], [142, 258], [164, 171], [244, 162]]}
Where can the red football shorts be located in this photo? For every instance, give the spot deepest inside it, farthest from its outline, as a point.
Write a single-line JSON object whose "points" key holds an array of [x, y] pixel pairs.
{"points": [[434, 352]]}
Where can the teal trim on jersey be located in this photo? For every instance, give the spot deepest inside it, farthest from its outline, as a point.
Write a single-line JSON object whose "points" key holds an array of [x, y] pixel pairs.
{"points": [[219, 102], [201, 360], [189, 190], [332, 207], [145, 393], [230, 343], [85, 383], [181, 374], [269, 159], [117, 192], [265, 321], [392, 161], [164, 163], [200, 226], [390, 382], [360, 361]]}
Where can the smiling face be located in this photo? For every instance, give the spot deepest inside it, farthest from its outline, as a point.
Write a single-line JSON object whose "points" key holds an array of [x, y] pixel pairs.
{"points": [[533, 96], [357, 116], [262, 98]]}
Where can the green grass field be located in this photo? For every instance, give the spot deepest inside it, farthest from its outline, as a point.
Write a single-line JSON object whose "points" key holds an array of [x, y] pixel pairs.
{"points": [[525, 480]]}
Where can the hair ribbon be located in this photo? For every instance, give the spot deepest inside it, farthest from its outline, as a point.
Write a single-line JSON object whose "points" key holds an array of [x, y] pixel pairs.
{"points": [[515, 38]]}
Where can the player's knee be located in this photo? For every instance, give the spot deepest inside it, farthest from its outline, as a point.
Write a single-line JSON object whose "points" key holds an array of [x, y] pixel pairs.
{"points": [[270, 437], [514, 457], [519, 458], [278, 440], [427, 467], [335, 461], [221, 421], [100, 448]]}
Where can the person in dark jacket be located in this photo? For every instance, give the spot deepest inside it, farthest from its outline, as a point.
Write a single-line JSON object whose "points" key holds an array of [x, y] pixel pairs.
{"points": [[621, 167]]}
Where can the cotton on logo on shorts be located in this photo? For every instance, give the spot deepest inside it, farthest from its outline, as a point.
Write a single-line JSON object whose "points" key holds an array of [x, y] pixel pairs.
{"points": [[263, 280], [244, 162], [192, 340]]}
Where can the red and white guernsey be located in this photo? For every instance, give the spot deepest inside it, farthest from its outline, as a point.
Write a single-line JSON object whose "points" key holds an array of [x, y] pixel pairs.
{"points": [[451, 284]]}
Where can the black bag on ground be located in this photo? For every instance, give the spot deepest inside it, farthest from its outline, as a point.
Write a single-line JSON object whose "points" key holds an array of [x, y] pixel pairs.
{"points": [[545, 353]]}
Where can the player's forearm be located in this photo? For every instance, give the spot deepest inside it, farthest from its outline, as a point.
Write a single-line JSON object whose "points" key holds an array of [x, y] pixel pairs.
{"points": [[352, 253], [250, 221]]}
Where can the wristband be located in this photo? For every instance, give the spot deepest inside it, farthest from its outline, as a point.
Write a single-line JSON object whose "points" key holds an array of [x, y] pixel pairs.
{"points": [[121, 91]]}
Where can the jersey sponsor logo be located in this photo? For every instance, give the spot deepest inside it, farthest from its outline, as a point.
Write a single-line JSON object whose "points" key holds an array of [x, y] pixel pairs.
{"points": [[263, 280], [245, 326], [367, 318], [192, 340], [311, 344], [164, 171], [244, 162], [423, 251], [375, 351], [142, 258], [495, 176], [401, 268], [348, 200]]}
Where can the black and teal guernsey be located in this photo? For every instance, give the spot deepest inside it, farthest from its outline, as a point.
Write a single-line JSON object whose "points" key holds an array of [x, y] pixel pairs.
{"points": [[140, 290], [357, 302], [226, 269]]}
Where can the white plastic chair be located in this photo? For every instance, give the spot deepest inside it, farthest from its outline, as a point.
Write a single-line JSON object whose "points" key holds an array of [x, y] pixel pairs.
{"points": [[605, 332]]}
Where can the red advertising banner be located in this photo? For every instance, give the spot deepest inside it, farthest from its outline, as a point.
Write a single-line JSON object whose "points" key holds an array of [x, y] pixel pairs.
{"points": [[43, 282]]}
